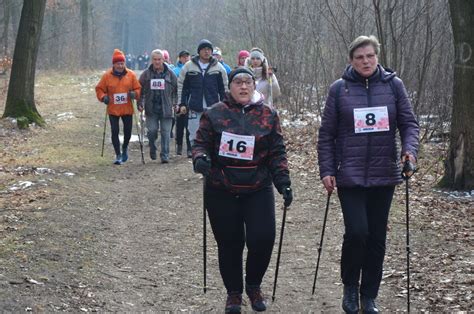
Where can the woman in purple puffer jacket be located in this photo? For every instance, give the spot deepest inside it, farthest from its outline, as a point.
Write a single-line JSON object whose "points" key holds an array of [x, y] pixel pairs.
{"points": [[358, 154]]}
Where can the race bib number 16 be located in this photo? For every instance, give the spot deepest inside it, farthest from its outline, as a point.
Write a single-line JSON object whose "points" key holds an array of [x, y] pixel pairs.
{"points": [[371, 119], [237, 146]]}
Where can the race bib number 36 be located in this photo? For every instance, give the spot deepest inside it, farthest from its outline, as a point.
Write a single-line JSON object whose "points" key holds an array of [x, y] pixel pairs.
{"points": [[237, 146], [371, 119], [157, 84], [120, 99]]}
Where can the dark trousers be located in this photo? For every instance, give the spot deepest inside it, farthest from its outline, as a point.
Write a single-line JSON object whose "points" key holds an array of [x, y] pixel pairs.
{"points": [[181, 125], [365, 212], [237, 220], [115, 129]]}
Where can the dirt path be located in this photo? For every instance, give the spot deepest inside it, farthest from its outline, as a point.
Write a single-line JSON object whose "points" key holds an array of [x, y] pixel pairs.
{"points": [[128, 238]]}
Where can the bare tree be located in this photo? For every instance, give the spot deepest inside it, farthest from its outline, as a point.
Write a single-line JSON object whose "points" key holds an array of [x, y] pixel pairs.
{"points": [[20, 98], [460, 163], [85, 56]]}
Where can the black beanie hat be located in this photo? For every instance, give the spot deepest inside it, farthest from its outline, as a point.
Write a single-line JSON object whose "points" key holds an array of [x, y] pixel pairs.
{"points": [[240, 70], [204, 43], [183, 53]]}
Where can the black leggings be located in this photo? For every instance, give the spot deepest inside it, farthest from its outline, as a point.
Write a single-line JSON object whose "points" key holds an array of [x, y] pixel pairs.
{"points": [[181, 125], [237, 220], [127, 131], [365, 212]]}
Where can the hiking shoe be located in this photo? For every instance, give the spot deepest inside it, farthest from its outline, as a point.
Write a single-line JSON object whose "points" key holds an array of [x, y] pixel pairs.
{"points": [[179, 149], [368, 305], [350, 299], [118, 160], [124, 155], [153, 155], [257, 300], [233, 302]]}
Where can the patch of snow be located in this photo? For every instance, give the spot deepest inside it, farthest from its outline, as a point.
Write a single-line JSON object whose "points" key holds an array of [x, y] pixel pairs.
{"points": [[65, 116], [21, 185]]}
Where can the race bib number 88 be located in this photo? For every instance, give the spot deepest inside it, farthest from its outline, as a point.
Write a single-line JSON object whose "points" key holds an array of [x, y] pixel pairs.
{"points": [[371, 119], [157, 84], [237, 146]]}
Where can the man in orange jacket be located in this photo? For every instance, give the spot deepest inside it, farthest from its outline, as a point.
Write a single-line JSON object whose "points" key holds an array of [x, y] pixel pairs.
{"points": [[116, 89]]}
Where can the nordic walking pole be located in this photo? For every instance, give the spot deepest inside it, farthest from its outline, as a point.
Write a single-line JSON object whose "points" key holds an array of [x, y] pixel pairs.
{"points": [[142, 130], [138, 132], [270, 91], [204, 230], [103, 135], [320, 248], [285, 208], [408, 170]]}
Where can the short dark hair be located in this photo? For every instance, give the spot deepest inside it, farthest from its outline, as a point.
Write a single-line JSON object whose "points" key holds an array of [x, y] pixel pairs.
{"points": [[363, 41]]}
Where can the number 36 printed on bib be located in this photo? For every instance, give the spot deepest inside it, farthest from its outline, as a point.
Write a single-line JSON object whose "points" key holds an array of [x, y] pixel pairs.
{"points": [[371, 119], [237, 146]]}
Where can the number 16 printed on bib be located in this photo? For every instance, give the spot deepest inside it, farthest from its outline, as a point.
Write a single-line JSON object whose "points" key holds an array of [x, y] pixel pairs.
{"points": [[237, 146]]}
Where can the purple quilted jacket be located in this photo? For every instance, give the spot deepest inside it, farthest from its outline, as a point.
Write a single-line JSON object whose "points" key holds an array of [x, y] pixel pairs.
{"points": [[365, 159]]}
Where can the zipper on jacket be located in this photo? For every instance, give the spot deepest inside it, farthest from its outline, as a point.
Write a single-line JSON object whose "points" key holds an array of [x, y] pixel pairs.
{"points": [[369, 138]]}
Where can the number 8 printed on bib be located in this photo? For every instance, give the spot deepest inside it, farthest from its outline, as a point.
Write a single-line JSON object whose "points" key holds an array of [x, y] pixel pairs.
{"points": [[237, 146], [371, 119]]}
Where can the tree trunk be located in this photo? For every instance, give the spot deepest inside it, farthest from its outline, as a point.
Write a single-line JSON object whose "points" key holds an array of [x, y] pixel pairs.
{"points": [[20, 98], [6, 25], [85, 33], [460, 163]]}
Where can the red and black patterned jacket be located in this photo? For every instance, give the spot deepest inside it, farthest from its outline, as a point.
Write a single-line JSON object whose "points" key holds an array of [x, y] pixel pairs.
{"points": [[269, 162]]}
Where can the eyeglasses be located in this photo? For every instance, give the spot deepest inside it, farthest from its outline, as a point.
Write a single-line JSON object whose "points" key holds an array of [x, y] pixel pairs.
{"points": [[241, 82]]}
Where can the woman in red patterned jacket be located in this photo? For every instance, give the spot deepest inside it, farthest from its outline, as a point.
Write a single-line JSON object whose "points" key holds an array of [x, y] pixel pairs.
{"points": [[239, 149]]}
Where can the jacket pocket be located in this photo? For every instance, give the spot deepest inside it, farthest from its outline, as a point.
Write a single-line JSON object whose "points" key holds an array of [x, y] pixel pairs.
{"points": [[241, 176]]}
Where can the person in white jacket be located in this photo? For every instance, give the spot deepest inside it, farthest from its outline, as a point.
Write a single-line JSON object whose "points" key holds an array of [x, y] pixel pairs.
{"points": [[266, 81]]}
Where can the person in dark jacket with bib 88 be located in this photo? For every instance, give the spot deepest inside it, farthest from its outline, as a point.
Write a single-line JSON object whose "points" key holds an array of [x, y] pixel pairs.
{"points": [[239, 149], [358, 154]]}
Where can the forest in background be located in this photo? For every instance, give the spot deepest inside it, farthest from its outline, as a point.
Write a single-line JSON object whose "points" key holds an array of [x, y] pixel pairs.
{"points": [[305, 40]]}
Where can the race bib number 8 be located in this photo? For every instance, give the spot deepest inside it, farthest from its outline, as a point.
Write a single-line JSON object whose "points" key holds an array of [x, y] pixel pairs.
{"points": [[157, 84], [371, 119], [120, 99], [237, 146]]}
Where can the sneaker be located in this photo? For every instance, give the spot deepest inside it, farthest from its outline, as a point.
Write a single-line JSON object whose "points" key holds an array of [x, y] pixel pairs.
{"points": [[233, 302], [189, 153], [165, 160], [257, 300], [124, 155], [350, 299], [153, 155], [118, 160], [179, 149], [368, 305]]}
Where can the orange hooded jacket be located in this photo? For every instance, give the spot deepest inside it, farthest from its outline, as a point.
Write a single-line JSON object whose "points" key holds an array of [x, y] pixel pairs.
{"points": [[117, 89]]}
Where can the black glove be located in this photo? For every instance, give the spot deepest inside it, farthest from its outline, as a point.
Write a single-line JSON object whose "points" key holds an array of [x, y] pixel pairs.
{"points": [[287, 193], [202, 165], [106, 99], [132, 94]]}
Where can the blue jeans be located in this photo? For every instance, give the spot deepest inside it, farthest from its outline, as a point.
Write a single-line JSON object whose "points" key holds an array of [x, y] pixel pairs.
{"points": [[193, 124], [153, 123]]}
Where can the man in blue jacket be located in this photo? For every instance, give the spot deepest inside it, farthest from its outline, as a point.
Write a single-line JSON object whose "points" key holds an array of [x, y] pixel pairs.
{"points": [[202, 82]]}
